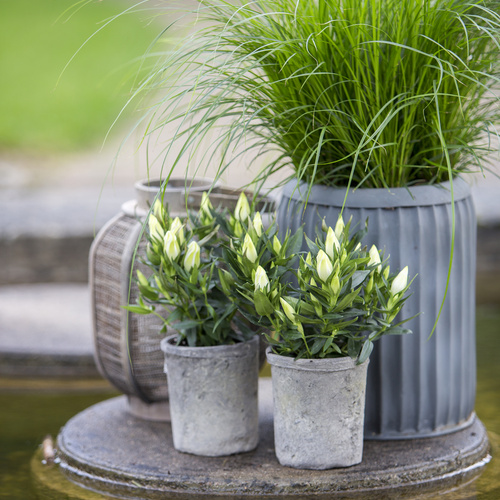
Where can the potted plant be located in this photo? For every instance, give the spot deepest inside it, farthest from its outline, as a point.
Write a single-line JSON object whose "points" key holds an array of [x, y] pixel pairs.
{"points": [[323, 330], [212, 363], [362, 100]]}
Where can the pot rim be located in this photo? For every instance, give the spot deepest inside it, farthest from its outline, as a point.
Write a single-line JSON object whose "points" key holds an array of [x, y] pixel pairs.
{"points": [[176, 194], [314, 365], [421, 195], [239, 350], [175, 184]]}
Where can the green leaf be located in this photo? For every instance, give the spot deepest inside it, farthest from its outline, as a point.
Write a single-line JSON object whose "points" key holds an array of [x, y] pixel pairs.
{"points": [[138, 309], [187, 324], [262, 303], [397, 330], [226, 281], [365, 352], [358, 277], [353, 347], [295, 243], [190, 336], [328, 343], [317, 346], [311, 245]]}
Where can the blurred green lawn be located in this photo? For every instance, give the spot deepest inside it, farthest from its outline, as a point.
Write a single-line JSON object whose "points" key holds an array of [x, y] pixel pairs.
{"points": [[37, 39]]}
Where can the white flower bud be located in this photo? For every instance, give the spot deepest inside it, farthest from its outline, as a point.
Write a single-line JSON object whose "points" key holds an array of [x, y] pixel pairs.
{"points": [[155, 229], [242, 210], [205, 207], [288, 309], [248, 249], [335, 284], [192, 258], [178, 229], [158, 209], [323, 266], [257, 224], [375, 258], [339, 227], [261, 280], [400, 282], [171, 245], [276, 245], [309, 258], [331, 242]]}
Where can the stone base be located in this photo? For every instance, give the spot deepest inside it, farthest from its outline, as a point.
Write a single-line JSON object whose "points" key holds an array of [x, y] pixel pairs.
{"points": [[159, 412], [106, 449]]}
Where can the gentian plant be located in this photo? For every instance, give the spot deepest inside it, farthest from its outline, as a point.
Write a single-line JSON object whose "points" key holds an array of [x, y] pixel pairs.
{"points": [[223, 276], [334, 301], [185, 279]]}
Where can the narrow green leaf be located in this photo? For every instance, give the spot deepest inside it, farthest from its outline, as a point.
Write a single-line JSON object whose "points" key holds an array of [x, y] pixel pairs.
{"points": [[365, 352], [263, 305]]}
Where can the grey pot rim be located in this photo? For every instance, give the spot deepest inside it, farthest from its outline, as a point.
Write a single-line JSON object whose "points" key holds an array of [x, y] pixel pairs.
{"points": [[421, 195], [325, 365], [175, 190], [174, 185], [239, 350]]}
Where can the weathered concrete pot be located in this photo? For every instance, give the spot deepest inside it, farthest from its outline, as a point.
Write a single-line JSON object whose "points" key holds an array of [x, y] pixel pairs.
{"points": [[213, 397], [318, 411]]}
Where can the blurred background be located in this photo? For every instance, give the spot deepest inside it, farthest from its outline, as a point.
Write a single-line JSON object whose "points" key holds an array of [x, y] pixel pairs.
{"points": [[68, 160]]}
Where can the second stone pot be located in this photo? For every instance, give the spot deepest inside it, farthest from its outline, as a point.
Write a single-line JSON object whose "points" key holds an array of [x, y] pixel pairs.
{"points": [[213, 397], [318, 411]]}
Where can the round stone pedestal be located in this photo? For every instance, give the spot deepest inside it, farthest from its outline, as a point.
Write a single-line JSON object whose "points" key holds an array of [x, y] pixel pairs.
{"points": [[108, 450]]}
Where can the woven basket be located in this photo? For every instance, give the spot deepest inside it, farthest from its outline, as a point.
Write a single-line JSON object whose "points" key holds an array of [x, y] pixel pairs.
{"points": [[127, 345]]}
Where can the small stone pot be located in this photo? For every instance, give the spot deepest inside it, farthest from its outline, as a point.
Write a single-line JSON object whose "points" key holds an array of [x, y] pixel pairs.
{"points": [[318, 411], [213, 397]]}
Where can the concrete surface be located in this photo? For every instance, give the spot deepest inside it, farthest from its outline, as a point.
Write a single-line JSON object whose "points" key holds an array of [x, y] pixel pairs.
{"points": [[45, 330], [138, 461]]}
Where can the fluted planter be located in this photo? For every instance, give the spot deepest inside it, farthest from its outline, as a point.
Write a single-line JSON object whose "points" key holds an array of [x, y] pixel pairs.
{"points": [[417, 387]]}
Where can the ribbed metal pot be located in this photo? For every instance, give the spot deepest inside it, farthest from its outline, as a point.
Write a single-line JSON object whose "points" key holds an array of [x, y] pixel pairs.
{"points": [[417, 386]]}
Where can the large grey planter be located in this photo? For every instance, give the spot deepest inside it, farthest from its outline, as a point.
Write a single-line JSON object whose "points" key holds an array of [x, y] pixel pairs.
{"points": [[213, 397], [417, 386], [318, 411]]}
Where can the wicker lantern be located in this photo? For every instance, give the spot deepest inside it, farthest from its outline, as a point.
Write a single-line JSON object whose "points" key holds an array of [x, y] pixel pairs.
{"points": [[127, 345]]}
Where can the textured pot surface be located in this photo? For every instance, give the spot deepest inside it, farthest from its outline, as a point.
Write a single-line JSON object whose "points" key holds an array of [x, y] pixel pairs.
{"points": [[213, 397], [318, 411], [417, 386]]}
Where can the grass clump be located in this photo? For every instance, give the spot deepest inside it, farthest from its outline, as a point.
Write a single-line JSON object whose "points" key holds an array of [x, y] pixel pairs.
{"points": [[43, 110], [373, 93]]}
